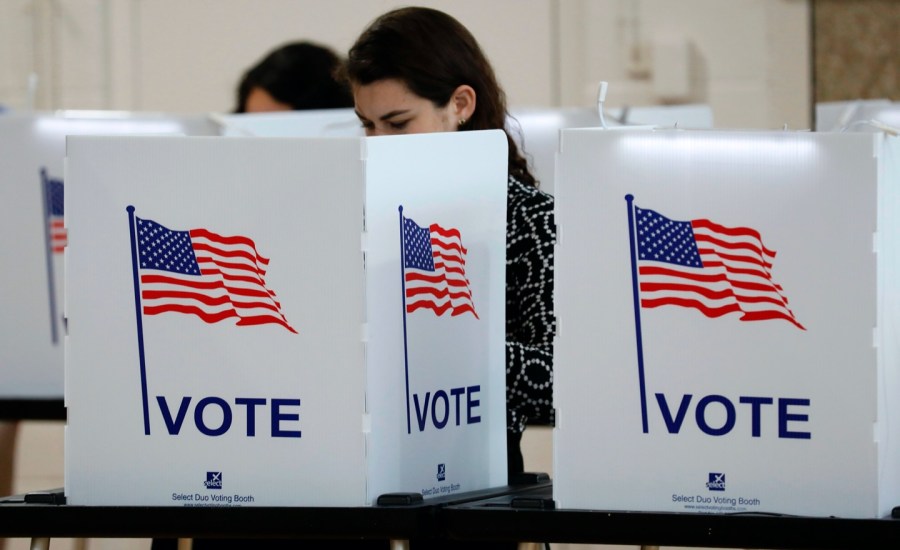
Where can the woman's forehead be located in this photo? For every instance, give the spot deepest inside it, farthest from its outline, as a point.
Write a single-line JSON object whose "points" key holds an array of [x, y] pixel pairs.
{"points": [[383, 96]]}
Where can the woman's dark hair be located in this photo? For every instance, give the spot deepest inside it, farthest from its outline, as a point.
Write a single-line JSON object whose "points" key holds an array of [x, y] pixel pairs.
{"points": [[433, 54], [300, 74]]}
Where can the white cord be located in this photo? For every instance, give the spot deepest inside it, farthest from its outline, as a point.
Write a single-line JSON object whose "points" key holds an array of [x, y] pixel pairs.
{"points": [[886, 128], [31, 91], [601, 97]]}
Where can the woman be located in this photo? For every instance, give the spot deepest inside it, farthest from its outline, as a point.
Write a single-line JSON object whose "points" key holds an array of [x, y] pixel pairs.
{"points": [[419, 70], [293, 77]]}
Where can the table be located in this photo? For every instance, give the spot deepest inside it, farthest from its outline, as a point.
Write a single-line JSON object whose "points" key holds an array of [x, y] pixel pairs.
{"points": [[517, 512], [32, 409], [532, 517], [397, 517]]}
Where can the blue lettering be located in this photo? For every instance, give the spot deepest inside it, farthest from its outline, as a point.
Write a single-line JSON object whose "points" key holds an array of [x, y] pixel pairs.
{"points": [[673, 425], [278, 417], [201, 424], [421, 415], [701, 415], [441, 403], [784, 417], [251, 404], [786, 414], [755, 403], [456, 392], [471, 404], [439, 424], [174, 427]]}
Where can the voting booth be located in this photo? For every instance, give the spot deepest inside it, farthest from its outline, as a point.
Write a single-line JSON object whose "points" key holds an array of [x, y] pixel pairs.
{"points": [[536, 130], [728, 319], [838, 116], [281, 322], [306, 123], [31, 220]]}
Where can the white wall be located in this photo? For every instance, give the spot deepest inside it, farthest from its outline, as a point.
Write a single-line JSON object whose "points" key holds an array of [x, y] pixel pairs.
{"points": [[749, 59]]}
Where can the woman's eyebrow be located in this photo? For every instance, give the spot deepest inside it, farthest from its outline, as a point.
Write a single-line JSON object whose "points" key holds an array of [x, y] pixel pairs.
{"points": [[392, 114]]}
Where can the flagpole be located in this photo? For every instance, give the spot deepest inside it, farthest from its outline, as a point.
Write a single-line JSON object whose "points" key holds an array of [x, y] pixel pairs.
{"points": [[48, 246], [140, 318], [629, 198], [403, 295]]}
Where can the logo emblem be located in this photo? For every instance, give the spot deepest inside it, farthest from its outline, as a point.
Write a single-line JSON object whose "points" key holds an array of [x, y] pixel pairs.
{"points": [[442, 472], [716, 482], [214, 480]]}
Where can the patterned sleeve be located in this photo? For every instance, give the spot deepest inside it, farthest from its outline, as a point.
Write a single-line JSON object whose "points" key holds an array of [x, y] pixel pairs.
{"points": [[530, 322]]}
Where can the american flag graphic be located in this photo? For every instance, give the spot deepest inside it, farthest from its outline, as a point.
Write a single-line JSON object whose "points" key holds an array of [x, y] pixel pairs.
{"points": [[434, 269], [202, 273], [700, 264], [56, 228]]}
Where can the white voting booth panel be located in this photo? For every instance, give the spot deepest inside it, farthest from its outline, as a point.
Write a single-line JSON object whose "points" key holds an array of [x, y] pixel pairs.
{"points": [[282, 353], [836, 116], [309, 123], [31, 220], [717, 296], [536, 131]]}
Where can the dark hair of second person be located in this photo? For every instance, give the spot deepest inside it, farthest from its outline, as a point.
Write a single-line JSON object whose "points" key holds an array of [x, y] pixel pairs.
{"points": [[295, 76]]}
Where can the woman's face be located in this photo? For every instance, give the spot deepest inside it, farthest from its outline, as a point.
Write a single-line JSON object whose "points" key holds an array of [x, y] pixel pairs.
{"points": [[388, 107]]}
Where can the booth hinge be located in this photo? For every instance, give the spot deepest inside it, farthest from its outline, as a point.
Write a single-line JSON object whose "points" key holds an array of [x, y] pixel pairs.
{"points": [[364, 241]]}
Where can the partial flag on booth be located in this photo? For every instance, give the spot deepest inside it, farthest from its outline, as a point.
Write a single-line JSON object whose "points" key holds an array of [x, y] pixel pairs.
{"points": [[706, 266], [55, 240], [199, 272], [53, 211]]}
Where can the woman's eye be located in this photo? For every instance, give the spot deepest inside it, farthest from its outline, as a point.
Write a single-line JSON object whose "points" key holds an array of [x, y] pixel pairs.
{"points": [[399, 125], [368, 125]]}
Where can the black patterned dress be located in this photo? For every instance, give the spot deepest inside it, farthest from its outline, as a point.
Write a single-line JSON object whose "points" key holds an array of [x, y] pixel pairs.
{"points": [[530, 322]]}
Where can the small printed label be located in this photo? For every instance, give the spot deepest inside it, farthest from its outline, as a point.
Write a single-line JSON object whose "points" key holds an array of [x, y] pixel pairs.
{"points": [[716, 482], [213, 480]]}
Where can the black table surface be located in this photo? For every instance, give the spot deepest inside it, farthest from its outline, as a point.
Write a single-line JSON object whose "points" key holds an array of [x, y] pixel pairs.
{"points": [[24, 408], [532, 517], [512, 513], [44, 514]]}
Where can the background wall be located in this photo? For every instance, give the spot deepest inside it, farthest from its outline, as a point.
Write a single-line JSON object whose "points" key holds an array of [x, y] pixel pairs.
{"points": [[857, 54], [749, 59]]}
